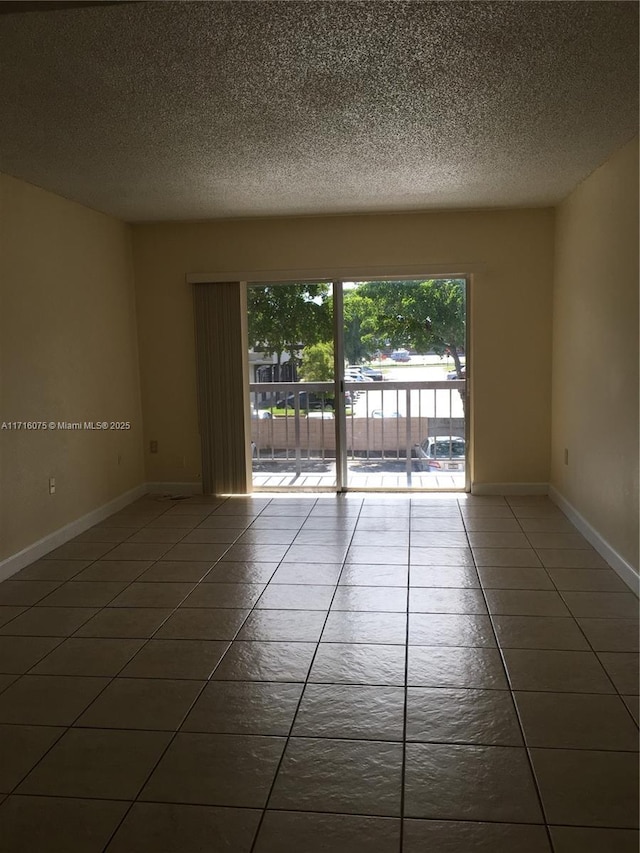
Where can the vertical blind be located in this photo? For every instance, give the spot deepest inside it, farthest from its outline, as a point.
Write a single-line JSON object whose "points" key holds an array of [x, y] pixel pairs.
{"points": [[222, 375]]}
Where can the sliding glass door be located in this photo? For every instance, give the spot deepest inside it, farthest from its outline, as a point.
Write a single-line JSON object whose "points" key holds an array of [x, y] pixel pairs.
{"points": [[359, 385]]}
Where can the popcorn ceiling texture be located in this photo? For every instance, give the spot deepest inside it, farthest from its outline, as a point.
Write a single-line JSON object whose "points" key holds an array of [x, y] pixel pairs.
{"points": [[156, 111]]}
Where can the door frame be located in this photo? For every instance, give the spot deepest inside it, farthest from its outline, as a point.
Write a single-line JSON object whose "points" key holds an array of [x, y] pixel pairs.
{"points": [[337, 276]]}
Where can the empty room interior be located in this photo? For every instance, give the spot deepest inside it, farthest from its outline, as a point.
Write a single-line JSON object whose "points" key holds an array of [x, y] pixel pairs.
{"points": [[190, 661]]}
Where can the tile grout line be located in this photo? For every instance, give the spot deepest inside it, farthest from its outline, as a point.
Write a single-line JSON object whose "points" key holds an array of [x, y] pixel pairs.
{"points": [[306, 682], [574, 618], [111, 679], [91, 563], [174, 733], [340, 814], [71, 726], [405, 709], [594, 652], [515, 706]]}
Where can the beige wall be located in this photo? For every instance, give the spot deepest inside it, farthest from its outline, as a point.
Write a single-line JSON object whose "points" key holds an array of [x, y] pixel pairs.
{"points": [[68, 352], [595, 349], [509, 252]]}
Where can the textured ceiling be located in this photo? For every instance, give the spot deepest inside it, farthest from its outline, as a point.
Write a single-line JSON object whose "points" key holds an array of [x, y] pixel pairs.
{"points": [[192, 110]]}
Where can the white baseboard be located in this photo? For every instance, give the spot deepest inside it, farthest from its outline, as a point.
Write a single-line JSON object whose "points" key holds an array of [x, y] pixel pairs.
{"points": [[175, 488], [509, 488], [623, 568], [53, 540]]}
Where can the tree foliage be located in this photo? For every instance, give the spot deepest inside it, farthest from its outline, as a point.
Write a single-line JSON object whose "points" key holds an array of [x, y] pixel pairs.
{"points": [[317, 363], [360, 338], [421, 315], [287, 317]]}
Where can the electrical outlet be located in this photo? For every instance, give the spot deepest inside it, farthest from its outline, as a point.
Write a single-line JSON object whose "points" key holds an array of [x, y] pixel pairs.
{"points": [[566, 456], [52, 485], [153, 446]]}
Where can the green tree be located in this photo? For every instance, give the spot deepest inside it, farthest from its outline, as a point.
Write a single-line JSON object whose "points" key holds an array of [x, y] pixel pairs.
{"points": [[360, 335], [423, 315], [317, 363], [287, 317]]}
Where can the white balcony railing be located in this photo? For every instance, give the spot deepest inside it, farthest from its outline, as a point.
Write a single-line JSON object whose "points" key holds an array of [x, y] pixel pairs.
{"points": [[294, 435]]}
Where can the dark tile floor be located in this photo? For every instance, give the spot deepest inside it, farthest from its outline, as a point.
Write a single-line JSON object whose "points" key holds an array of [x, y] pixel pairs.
{"points": [[377, 674]]}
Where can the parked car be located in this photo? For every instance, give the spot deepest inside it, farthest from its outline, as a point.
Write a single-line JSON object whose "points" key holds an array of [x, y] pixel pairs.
{"points": [[453, 374], [376, 375], [400, 355], [307, 401], [311, 401], [260, 414], [380, 413], [352, 375], [441, 453]]}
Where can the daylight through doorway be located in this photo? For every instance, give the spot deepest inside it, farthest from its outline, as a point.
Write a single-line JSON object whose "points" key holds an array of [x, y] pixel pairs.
{"points": [[359, 385]]}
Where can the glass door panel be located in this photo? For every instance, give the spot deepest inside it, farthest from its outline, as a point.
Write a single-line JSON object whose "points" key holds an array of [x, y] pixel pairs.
{"points": [[291, 382], [405, 369]]}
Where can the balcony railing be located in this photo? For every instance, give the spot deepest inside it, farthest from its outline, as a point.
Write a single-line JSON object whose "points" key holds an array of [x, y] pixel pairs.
{"points": [[294, 434]]}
